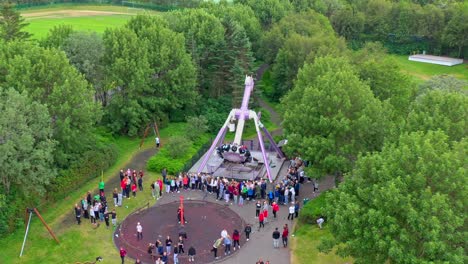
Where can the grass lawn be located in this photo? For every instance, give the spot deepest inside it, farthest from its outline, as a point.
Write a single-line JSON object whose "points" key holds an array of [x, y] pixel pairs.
{"points": [[75, 6], [304, 247], [79, 243], [95, 18], [424, 71], [40, 27]]}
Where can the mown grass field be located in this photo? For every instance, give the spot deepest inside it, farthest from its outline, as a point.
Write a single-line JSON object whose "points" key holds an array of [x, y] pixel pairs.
{"points": [[82, 17], [424, 71]]}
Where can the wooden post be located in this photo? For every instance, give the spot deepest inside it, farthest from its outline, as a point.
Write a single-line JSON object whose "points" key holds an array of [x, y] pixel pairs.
{"points": [[45, 224], [144, 135]]}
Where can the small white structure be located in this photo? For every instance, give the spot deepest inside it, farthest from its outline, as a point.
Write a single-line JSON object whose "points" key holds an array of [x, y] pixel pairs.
{"points": [[435, 59]]}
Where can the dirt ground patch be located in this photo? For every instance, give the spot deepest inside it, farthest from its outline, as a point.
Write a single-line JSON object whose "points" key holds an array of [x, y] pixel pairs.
{"points": [[70, 13]]}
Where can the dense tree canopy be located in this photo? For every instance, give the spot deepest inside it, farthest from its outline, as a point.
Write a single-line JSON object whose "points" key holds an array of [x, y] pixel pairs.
{"points": [[406, 204], [48, 77], [268, 11], [148, 73], [298, 48], [331, 116], [440, 110], [26, 144]]}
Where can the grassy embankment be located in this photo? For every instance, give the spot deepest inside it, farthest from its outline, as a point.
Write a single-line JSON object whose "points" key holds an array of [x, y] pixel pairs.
{"points": [[80, 243]]}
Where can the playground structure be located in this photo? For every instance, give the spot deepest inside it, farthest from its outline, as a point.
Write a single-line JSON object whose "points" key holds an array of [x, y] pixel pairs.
{"points": [[160, 221], [234, 159]]}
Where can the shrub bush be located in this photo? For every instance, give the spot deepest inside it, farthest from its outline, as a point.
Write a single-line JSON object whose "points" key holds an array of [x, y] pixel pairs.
{"points": [[313, 209], [163, 158], [177, 146]]}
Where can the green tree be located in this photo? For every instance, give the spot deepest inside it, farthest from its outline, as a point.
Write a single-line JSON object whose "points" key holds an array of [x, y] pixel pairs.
{"points": [[85, 51], [204, 39], [26, 144], [57, 36], [384, 77], [148, 72], [348, 23], [331, 117], [406, 204], [11, 24], [456, 31], [268, 11], [242, 14], [305, 24], [440, 110], [48, 77], [196, 126], [295, 52]]}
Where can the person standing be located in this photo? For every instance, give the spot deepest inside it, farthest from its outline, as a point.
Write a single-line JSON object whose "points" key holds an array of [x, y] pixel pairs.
{"points": [[261, 219], [285, 234], [227, 245], [258, 206], [114, 218], [106, 219], [168, 245], [164, 174], [139, 229], [115, 196], [140, 181], [276, 236], [291, 212], [236, 238], [275, 208], [123, 253], [216, 244], [78, 214], [134, 189], [157, 142], [180, 244], [296, 209], [176, 256], [191, 254], [247, 231]]}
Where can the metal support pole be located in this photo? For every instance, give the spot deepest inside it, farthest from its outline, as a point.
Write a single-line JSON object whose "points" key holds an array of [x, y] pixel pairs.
{"points": [[26, 234]]}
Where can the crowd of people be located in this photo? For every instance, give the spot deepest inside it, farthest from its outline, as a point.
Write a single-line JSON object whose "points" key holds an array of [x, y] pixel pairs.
{"points": [[96, 207], [267, 199]]}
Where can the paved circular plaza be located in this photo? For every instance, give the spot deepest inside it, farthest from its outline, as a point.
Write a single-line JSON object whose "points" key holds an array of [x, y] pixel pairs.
{"points": [[206, 220]]}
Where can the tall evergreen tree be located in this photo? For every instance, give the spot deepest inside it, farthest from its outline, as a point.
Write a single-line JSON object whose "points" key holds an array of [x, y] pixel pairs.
{"points": [[12, 24]]}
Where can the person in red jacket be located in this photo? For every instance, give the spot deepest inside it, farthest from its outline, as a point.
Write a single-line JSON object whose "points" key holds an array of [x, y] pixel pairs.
{"points": [[134, 189], [275, 208], [285, 235], [160, 187], [261, 218], [123, 253], [236, 238], [123, 185]]}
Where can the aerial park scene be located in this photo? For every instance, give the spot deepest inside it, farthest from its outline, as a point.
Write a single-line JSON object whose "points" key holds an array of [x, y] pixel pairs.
{"points": [[244, 131]]}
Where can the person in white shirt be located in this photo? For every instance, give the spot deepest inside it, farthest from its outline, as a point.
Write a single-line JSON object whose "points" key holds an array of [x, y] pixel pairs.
{"points": [[139, 231], [320, 222], [157, 142], [291, 212]]}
